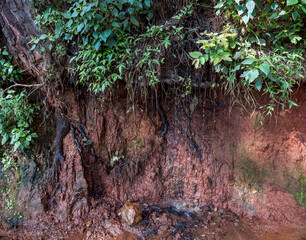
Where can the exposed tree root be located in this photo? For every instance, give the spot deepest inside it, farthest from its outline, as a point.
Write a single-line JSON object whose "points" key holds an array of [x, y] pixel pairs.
{"points": [[77, 144], [62, 129], [63, 126], [162, 116]]}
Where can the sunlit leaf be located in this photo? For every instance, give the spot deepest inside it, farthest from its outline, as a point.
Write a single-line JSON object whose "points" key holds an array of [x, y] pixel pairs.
{"points": [[292, 2], [265, 68]]}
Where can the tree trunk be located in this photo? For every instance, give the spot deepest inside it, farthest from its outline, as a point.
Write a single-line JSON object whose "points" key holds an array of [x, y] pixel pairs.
{"points": [[18, 29], [67, 193]]}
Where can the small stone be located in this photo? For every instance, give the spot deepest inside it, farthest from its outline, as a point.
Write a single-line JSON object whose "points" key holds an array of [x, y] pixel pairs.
{"points": [[131, 213], [88, 224]]}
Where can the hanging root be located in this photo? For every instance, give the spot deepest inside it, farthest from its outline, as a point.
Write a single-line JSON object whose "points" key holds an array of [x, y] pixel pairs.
{"points": [[52, 201], [76, 142], [195, 146], [163, 118]]}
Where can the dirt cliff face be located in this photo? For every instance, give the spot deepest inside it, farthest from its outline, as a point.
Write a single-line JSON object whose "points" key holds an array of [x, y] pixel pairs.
{"points": [[211, 154]]}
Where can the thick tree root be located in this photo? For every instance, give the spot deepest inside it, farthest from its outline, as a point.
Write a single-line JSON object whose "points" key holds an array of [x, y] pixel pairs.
{"points": [[63, 126], [62, 129]]}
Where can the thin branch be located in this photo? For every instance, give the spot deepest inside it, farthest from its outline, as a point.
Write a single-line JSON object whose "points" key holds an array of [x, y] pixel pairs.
{"points": [[23, 85], [192, 84]]}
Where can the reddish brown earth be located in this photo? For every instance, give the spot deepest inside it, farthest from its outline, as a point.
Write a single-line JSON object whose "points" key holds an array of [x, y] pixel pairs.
{"points": [[213, 155]]}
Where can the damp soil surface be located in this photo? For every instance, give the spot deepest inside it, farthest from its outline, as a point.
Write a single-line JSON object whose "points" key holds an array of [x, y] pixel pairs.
{"points": [[168, 220]]}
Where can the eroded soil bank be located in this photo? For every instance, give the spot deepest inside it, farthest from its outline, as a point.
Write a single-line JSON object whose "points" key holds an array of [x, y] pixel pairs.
{"points": [[220, 162]]}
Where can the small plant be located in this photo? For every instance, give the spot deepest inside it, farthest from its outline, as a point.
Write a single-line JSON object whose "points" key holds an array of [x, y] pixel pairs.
{"points": [[8, 72], [139, 144], [8, 162], [16, 113], [115, 158], [301, 192], [16, 116], [10, 184]]}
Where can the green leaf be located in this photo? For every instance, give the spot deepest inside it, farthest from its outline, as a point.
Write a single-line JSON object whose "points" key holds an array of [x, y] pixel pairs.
{"points": [[29, 138], [217, 59], [116, 24], [16, 145], [130, 11], [295, 38], [292, 2], [250, 5], [4, 139], [258, 84], [134, 21], [249, 61], [195, 54], [236, 68], [105, 35], [33, 47], [265, 68], [295, 15], [246, 18], [262, 42], [274, 6], [237, 55], [69, 23], [253, 74], [80, 27], [44, 36], [34, 135], [147, 3], [240, 8], [95, 34], [226, 56], [291, 103], [97, 45], [75, 14], [26, 144], [202, 60]]}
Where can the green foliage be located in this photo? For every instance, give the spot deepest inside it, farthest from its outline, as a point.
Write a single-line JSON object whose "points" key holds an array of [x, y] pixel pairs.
{"points": [[251, 173], [102, 31], [16, 116], [10, 186], [16, 113], [8, 72], [110, 39], [301, 193], [8, 162], [115, 158], [260, 49]]}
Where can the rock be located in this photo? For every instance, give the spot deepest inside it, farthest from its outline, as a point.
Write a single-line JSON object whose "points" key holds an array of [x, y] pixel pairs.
{"points": [[131, 213]]}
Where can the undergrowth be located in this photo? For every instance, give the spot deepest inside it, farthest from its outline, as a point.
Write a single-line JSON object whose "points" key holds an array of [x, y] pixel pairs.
{"points": [[260, 48]]}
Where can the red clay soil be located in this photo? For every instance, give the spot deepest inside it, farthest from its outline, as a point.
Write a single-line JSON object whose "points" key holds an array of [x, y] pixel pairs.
{"points": [[212, 155]]}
